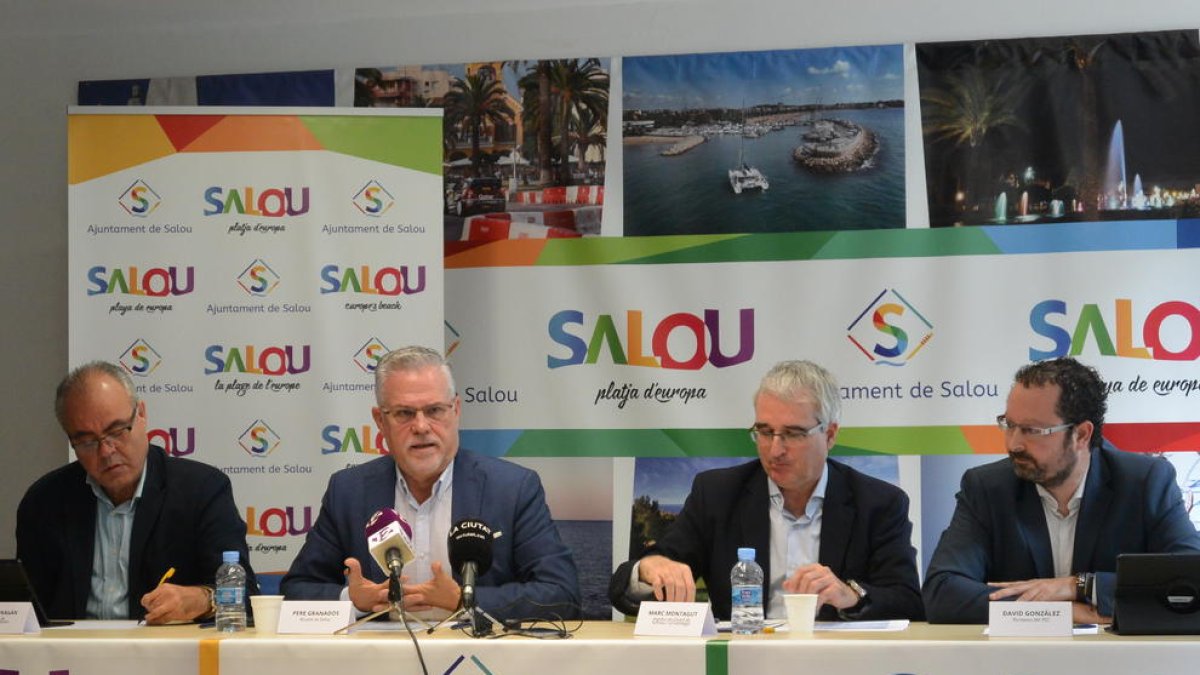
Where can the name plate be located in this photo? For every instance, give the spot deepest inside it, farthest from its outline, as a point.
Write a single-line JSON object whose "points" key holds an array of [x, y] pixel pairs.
{"points": [[17, 618], [314, 617], [1029, 619], [675, 619]]}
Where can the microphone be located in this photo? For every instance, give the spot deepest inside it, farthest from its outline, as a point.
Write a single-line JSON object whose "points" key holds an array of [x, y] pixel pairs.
{"points": [[470, 547], [389, 538]]}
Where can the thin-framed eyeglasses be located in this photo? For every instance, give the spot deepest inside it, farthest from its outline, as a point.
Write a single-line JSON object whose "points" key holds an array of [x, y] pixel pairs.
{"points": [[112, 438], [403, 415], [764, 435], [1025, 430]]}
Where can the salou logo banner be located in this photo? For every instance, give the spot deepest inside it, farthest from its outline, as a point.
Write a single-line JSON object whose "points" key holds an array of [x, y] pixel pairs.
{"points": [[678, 341], [258, 279], [139, 200], [890, 331], [373, 199], [1167, 331], [140, 359]]}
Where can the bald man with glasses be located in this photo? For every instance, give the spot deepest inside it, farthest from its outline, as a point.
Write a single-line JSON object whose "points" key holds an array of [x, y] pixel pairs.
{"points": [[98, 534], [1048, 522], [817, 525]]}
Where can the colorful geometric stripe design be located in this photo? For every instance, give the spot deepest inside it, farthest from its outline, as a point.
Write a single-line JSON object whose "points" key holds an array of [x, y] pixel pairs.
{"points": [[910, 243], [928, 440], [104, 144]]}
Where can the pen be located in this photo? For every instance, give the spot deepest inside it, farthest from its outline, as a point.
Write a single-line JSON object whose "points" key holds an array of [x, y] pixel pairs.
{"points": [[166, 575]]}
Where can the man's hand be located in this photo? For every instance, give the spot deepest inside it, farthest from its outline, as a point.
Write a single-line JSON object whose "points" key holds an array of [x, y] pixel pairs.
{"points": [[366, 595], [819, 579], [672, 581], [1085, 613], [170, 602], [441, 591], [1061, 588]]}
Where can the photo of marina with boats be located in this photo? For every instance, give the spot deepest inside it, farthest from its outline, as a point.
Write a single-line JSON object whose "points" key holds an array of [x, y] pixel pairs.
{"points": [[774, 141]]}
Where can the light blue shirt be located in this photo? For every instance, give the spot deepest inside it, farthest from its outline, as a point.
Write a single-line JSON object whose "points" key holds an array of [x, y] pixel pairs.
{"points": [[430, 522], [795, 540], [109, 595]]}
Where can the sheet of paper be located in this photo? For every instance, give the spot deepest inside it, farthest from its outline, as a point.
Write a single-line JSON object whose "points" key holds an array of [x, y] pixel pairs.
{"points": [[96, 624]]}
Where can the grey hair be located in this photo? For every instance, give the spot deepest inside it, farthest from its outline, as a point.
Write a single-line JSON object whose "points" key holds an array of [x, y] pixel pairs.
{"points": [[77, 377], [408, 359], [796, 380]]}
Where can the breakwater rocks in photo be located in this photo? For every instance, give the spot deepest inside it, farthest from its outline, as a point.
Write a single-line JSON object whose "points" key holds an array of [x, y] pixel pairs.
{"points": [[836, 146]]}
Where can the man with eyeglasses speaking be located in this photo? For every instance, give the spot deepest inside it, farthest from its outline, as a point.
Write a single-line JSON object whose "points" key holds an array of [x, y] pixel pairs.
{"points": [[817, 525], [1048, 522], [99, 535], [433, 484]]}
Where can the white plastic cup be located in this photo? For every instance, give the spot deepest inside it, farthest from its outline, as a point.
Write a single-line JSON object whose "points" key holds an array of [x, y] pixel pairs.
{"points": [[266, 613], [801, 613]]}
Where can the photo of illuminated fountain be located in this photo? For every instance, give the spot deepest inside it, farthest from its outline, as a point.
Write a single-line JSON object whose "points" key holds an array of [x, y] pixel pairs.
{"points": [[1079, 128]]}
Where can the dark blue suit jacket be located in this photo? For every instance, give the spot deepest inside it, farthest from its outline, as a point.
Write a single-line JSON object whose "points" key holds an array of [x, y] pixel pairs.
{"points": [[185, 518], [865, 535], [1131, 504], [532, 572]]}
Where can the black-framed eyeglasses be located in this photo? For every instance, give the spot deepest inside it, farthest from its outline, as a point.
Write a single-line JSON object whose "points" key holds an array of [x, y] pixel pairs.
{"points": [[113, 438], [1025, 430], [764, 435], [434, 412]]}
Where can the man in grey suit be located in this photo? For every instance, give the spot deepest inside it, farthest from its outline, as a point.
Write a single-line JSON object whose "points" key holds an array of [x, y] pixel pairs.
{"points": [[818, 526], [1048, 522], [433, 484]]}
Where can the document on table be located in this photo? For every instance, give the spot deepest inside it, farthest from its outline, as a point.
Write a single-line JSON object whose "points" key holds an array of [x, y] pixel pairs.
{"points": [[1079, 629], [892, 626], [95, 624]]}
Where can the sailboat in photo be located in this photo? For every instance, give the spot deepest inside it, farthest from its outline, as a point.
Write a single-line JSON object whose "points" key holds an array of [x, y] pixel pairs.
{"points": [[744, 176]]}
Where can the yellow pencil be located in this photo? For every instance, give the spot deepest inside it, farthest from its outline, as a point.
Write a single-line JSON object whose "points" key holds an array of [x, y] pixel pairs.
{"points": [[166, 575]]}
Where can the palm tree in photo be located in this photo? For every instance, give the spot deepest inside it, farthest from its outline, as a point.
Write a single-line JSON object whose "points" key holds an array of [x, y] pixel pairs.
{"points": [[588, 130], [580, 86], [474, 100], [972, 106]]}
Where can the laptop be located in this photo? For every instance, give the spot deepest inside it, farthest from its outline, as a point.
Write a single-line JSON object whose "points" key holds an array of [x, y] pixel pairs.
{"points": [[1157, 594], [15, 587]]}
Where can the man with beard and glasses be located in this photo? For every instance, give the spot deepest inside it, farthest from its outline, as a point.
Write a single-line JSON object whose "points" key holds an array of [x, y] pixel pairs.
{"points": [[1048, 522]]}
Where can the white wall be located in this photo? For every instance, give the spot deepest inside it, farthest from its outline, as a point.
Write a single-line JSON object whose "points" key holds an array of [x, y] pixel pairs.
{"points": [[46, 46]]}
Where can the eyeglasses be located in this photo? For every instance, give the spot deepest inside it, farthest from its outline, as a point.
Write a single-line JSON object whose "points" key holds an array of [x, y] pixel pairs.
{"points": [[436, 412], [113, 438], [1009, 427], [763, 435]]}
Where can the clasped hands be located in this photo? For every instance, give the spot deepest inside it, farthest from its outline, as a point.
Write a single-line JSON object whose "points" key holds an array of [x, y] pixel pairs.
{"points": [[442, 591], [673, 581], [1047, 590]]}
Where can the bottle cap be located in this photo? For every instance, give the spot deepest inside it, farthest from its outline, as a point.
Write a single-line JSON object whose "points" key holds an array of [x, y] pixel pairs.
{"points": [[229, 557], [745, 553]]}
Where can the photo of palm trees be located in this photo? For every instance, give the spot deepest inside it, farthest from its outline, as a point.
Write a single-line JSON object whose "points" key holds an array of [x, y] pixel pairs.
{"points": [[1076, 128], [523, 141]]}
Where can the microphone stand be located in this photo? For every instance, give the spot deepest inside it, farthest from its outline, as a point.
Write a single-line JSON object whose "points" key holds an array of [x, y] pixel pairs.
{"points": [[395, 608], [479, 621]]}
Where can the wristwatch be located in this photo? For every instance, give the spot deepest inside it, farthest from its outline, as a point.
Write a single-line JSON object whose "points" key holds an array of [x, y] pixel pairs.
{"points": [[847, 614], [1084, 583], [858, 590], [212, 602]]}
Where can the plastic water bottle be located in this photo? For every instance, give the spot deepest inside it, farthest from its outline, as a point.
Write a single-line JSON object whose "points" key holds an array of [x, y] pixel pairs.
{"points": [[747, 581], [230, 594]]}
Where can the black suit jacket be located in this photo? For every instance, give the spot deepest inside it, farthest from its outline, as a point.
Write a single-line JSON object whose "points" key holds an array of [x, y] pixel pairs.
{"points": [[1131, 504], [865, 535], [186, 517]]}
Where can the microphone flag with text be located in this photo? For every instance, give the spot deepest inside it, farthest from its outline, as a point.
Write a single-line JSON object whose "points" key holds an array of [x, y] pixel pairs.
{"points": [[389, 537], [470, 547]]}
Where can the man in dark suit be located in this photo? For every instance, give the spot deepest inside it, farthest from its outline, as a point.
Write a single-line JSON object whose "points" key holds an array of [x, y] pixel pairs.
{"points": [[1048, 522], [97, 535], [432, 484], [817, 526]]}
